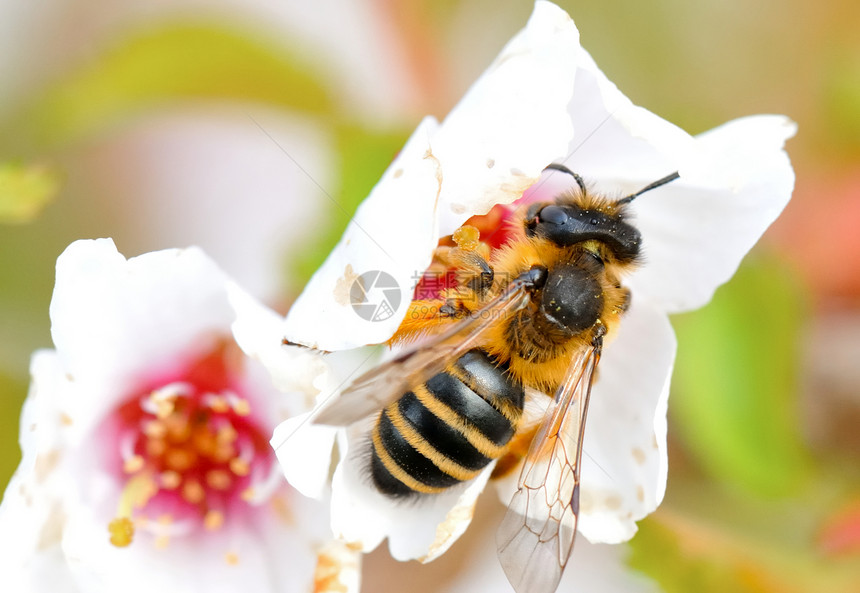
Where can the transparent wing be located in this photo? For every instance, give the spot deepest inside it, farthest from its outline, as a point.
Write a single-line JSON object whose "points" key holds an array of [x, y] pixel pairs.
{"points": [[380, 386], [536, 536]]}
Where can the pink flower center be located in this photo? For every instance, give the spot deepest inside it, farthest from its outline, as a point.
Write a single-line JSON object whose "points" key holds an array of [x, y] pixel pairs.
{"points": [[190, 452]]}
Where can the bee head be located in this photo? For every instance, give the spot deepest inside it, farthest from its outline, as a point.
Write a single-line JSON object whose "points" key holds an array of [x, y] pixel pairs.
{"points": [[581, 217], [567, 224]]}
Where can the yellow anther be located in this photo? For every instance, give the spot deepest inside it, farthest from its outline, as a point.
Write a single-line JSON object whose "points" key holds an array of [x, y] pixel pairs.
{"points": [[227, 434], [133, 464], [239, 466], [218, 403], [213, 520], [170, 480], [121, 531], [155, 429], [193, 492], [180, 459], [241, 406], [219, 479], [163, 407], [467, 237]]}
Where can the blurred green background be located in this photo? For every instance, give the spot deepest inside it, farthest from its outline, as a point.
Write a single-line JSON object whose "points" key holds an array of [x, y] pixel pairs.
{"points": [[239, 126]]}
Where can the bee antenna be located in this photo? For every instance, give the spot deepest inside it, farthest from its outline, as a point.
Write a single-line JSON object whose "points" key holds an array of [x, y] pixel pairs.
{"points": [[649, 187], [563, 169]]}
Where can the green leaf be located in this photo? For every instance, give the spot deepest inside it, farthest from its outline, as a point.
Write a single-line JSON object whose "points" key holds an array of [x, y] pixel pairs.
{"points": [[735, 390], [175, 62], [364, 155], [25, 190]]}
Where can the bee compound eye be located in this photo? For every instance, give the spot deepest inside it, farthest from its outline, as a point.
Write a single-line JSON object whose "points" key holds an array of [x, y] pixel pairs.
{"points": [[553, 215]]}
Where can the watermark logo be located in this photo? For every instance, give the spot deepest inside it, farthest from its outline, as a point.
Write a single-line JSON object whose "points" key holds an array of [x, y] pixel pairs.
{"points": [[375, 295]]}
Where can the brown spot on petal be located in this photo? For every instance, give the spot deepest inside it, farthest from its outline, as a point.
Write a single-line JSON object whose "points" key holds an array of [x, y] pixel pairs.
{"points": [[65, 419], [398, 173], [612, 502], [52, 529], [344, 285], [586, 501], [231, 558], [640, 493], [448, 528], [281, 507], [45, 464], [639, 455]]}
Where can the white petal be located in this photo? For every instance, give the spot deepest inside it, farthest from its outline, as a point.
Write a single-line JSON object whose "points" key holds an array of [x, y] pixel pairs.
{"points": [[493, 145], [420, 529], [592, 567], [295, 373], [513, 121], [735, 180], [624, 455], [618, 145], [393, 230], [304, 452], [734, 183], [475, 567], [261, 553], [32, 513], [113, 320]]}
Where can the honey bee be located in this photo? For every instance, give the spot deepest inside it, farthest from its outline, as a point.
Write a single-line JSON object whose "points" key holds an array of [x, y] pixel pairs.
{"points": [[530, 317]]}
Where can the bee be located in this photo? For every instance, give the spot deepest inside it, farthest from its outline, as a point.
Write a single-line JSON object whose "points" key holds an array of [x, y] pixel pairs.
{"points": [[530, 317]]}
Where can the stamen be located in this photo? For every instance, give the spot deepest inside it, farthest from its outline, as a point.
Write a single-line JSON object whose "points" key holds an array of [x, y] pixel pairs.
{"points": [[154, 429], [183, 448], [180, 460], [240, 467], [133, 464], [137, 492], [121, 531], [213, 520], [219, 479], [178, 428], [170, 479], [467, 237], [217, 403], [226, 434], [239, 405], [193, 492], [156, 447]]}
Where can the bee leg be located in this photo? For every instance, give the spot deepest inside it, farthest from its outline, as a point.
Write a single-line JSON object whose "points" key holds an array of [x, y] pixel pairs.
{"points": [[470, 257], [286, 342], [626, 297], [481, 274]]}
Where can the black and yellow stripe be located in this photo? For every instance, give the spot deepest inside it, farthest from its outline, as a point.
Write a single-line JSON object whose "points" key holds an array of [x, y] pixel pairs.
{"points": [[445, 431]]}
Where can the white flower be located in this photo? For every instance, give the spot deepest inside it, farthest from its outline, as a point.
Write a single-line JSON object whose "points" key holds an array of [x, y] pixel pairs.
{"points": [[544, 100], [144, 437]]}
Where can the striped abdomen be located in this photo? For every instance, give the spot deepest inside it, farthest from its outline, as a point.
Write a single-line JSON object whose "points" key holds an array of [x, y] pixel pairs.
{"points": [[446, 431]]}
